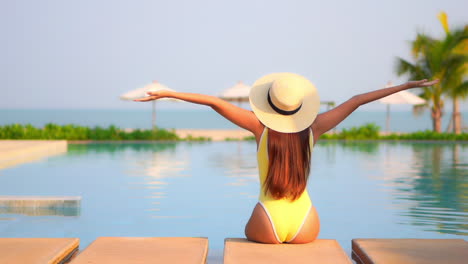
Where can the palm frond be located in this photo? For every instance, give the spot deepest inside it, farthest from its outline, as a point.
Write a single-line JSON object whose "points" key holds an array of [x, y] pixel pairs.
{"points": [[455, 73], [460, 91], [414, 71], [455, 39], [420, 45]]}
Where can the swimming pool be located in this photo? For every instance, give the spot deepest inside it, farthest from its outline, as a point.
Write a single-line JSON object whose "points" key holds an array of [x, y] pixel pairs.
{"points": [[208, 189]]}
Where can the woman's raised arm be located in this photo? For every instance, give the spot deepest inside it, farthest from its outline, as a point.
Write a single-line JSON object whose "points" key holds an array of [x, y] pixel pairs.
{"points": [[237, 115], [330, 119]]}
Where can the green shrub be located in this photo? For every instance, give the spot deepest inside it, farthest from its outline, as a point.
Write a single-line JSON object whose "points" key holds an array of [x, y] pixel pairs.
{"points": [[192, 138], [367, 131], [371, 132], [74, 132], [427, 135], [249, 138]]}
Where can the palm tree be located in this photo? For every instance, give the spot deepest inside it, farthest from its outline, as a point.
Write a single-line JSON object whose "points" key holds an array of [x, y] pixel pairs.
{"points": [[438, 59], [457, 87], [427, 66]]}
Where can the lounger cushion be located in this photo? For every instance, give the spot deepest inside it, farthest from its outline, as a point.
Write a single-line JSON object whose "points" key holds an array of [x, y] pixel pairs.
{"points": [[128, 250], [237, 250], [37, 250], [415, 251]]}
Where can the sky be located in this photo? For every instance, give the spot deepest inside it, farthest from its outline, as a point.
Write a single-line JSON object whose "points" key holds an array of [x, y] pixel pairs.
{"points": [[84, 54]]}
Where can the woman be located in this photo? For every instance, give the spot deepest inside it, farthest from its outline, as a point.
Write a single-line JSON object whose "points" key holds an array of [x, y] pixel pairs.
{"points": [[286, 125]]}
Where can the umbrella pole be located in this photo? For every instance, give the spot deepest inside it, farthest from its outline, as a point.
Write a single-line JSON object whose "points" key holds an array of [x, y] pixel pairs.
{"points": [[387, 125], [153, 120]]}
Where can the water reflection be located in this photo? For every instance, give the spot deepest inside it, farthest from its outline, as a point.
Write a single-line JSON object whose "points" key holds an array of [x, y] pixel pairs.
{"points": [[364, 147], [151, 166], [41, 211], [161, 165], [434, 188], [239, 164], [115, 147], [154, 168]]}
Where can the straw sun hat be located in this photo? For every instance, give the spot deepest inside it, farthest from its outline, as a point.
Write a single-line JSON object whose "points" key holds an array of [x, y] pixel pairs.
{"points": [[284, 102]]}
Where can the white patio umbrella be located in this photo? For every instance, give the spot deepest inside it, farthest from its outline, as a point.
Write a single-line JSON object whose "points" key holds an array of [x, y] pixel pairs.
{"points": [[402, 97], [237, 93], [142, 92]]}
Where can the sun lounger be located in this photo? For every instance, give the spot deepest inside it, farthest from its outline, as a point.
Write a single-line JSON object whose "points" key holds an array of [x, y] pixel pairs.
{"points": [[238, 250], [37, 250], [447, 251], [117, 250]]}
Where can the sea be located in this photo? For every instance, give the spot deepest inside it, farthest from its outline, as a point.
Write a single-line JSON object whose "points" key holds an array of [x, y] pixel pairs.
{"points": [[400, 121]]}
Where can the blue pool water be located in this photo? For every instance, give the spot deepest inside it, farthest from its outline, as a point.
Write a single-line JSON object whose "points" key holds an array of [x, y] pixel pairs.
{"points": [[360, 189]]}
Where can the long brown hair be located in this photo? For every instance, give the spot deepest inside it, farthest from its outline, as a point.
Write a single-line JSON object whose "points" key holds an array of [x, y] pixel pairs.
{"points": [[288, 164]]}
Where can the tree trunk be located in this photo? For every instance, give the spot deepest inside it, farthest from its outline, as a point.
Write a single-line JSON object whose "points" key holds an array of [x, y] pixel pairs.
{"points": [[436, 115], [456, 116]]}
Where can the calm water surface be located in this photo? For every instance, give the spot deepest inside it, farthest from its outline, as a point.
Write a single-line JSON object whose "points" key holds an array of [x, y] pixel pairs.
{"points": [[382, 190]]}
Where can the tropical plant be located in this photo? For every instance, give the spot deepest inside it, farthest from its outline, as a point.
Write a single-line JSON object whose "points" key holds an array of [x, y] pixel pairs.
{"points": [[74, 132], [437, 59], [457, 83]]}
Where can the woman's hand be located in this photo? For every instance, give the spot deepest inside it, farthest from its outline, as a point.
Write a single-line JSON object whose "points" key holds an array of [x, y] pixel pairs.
{"points": [[154, 96], [421, 83]]}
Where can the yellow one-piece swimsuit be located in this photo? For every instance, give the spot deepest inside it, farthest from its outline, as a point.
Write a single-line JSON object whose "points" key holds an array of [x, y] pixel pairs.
{"points": [[286, 216]]}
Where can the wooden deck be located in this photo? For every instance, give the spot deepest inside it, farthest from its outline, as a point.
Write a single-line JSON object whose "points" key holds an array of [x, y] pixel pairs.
{"points": [[414, 251], [37, 250], [239, 250], [123, 250]]}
